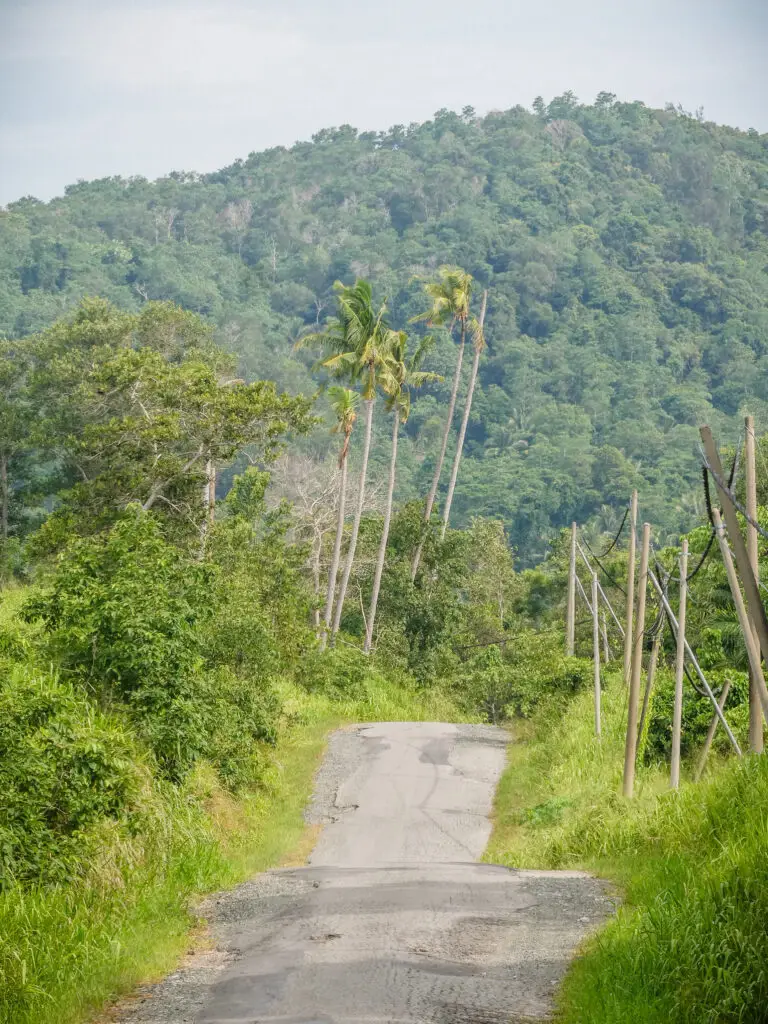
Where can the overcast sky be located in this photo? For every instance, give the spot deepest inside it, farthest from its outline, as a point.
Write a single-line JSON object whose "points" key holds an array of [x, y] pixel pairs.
{"points": [[90, 88]]}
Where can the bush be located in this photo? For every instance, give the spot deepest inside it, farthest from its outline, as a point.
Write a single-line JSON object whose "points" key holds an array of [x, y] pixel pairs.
{"points": [[122, 613], [64, 767], [499, 684], [340, 673]]}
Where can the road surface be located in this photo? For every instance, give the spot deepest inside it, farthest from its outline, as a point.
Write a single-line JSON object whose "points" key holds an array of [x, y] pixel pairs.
{"points": [[393, 921]]}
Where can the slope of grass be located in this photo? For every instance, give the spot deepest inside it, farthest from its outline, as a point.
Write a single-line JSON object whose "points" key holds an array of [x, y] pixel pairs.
{"points": [[690, 942], [66, 951]]}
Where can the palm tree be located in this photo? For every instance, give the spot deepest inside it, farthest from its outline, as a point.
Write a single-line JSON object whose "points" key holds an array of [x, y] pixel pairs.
{"points": [[402, 374], [344, 403], [450, 295], [356, 341], [478, 341]]}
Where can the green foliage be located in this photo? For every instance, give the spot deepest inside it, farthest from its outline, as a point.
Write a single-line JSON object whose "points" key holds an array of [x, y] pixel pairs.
{"points": [[122, 613], [65, 767], [623, 248]]}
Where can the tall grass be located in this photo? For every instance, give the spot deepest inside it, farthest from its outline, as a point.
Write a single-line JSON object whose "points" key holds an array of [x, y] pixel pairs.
{"points": [[65, 951], [690, 943]]}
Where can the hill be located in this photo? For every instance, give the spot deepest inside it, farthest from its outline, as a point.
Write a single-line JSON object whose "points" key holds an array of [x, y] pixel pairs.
{"points": [[625, 249]]}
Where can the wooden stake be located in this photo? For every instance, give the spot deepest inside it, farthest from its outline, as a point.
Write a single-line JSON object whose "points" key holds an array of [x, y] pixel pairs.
{"points": [[606, 648], [570, 614], [630, 749], [711, 732], [753, 652], [596, 652], [755, 716], [695, 663], [754, 604], [652, 662], [677, 717], [630, 587]]}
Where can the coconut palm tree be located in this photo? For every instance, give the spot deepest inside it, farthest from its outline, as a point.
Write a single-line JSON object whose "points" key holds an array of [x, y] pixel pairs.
{"points": [[356, 342], [344, 403], [478, 342], [401, 376], [450, 297]]}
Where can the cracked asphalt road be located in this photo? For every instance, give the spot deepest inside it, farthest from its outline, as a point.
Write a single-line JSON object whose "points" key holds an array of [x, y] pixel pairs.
{"points": [[392, 920]]}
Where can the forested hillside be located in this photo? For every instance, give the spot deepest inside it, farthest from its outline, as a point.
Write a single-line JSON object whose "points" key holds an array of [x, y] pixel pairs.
{"points": [[624, 249]]}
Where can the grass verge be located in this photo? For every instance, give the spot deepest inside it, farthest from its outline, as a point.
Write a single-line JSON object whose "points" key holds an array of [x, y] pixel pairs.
{"points": [[67, 951], [690, 942]]}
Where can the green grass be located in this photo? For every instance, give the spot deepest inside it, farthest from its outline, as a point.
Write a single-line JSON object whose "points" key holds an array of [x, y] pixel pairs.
{"points": [[690, 943], [66, 952]]}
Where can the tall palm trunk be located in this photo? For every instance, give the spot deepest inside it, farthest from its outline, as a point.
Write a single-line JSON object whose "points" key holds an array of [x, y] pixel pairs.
{"points": [[464, 421], [358, 516], [333, 572], [384, 536], [441, 459], [4, 496]]}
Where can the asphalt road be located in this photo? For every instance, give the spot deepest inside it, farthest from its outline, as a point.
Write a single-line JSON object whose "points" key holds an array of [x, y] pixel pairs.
{"points": [[393, 920]]}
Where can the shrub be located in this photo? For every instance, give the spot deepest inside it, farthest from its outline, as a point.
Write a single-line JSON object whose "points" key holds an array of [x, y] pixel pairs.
{"points": [[340, 673], [122, 613], [64, 767]]}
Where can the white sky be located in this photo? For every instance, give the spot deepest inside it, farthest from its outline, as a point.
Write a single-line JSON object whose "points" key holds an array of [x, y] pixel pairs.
{"points": [[89, 89]]}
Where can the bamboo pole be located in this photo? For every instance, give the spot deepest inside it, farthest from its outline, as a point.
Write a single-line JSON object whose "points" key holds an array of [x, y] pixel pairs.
{"points": [[753, 651], [753, 603], [630, 749], [583, 593], [606, 648], [596, 652], [603, 594], [755, 716], [711, 732], [650, 674], [694, 662], [570, 613], [677, 717], [630, 587]]}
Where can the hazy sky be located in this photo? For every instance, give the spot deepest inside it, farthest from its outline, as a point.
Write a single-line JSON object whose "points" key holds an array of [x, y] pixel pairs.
{"points": [[89, 89]]}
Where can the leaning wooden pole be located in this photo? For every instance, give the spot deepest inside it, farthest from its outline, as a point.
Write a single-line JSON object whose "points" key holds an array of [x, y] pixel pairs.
{"points": [[753, 651], [694, 661], [630, 749], [755, 715], [677, 715], [570, 612], [711, 732], [651, 673], [630, 587], [754, 603], [606, 645], [596, 651]]}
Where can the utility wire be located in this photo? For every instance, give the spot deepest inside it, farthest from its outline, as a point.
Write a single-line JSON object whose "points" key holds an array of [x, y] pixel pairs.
{"points": [[597, 558], [615, 540], [517, 636]]}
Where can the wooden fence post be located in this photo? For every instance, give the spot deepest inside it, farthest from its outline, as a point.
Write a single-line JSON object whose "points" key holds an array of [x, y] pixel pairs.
{"points": [[755, 716], [630, 750], [753, 651], [630, 587], [677, 716], [596, 651], [570, 614], [711, 732]]}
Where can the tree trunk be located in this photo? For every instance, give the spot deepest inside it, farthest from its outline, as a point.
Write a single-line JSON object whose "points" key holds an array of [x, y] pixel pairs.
{"points": [[464, 422], [358, 516], [4, 496], [441, 459], [211, 492], [317, 547], [333, 572], [384, 536]]}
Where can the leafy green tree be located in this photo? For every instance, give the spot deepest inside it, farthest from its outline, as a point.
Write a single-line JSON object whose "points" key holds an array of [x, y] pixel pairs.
{"points": [[344, 403], [449, 297], [404, 375], [356, 346]]}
